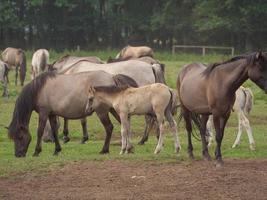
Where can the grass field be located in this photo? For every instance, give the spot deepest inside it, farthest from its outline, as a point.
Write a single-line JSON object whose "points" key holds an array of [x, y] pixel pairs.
{"points": [[73, 151]]}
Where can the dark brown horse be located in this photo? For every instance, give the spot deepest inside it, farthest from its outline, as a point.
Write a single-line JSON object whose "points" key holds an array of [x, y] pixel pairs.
{"points": [[52, 95], [211, 90], [17, 58]]}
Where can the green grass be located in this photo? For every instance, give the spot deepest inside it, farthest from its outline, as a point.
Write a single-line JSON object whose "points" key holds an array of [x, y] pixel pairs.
{"points": [[73, 151]]}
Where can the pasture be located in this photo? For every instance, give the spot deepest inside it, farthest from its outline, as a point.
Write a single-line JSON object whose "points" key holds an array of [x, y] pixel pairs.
{"points": [[137, 175]]}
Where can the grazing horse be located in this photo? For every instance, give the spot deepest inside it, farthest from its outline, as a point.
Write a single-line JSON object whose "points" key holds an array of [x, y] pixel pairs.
{"points": [[242, 106], [135, 52], [154, 99], [51, 95], [3, 76], [211, 90], [40, 60], [16, 57]]}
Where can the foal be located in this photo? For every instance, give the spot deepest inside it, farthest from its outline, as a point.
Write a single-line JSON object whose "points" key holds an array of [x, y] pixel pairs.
{"points": [[154, 99]]}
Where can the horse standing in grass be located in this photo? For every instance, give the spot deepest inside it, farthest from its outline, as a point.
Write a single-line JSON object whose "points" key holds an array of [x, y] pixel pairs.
{"points": [[211, 90], [242, 106], [17, 58], [40, 60], [52, 95], [3, 77], [141, 72], [135, 52], [154, 99]]}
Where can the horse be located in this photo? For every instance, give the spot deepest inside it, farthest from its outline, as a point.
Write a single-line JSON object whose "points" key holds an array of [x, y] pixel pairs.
{"points": [[242, 106], [141, 72], [67, 61], [152, 122], [210, 90], [17, 58], [3, 77], [40, 60], [154, 99], [51, 95], [135, 52]]}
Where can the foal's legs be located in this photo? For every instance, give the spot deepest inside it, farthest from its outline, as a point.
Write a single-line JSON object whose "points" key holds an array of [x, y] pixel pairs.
{"points": [[41, 125], [219, 124], [54, 127], [129, 146], [203, 130], [240, 127], [124, 131], [160, 116], [105, 120], [173, 126]]}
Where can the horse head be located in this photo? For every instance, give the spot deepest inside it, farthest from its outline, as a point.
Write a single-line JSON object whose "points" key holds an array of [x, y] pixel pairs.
{"points": [[257, 71]]}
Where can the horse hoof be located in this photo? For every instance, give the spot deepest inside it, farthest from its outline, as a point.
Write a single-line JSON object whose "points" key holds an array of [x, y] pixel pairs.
{"points": [[104, 152], [157, 151], [84, 140], [141, 143], [35, 154], [178, 149], [252, 147], [66, 140], [219, 164]]}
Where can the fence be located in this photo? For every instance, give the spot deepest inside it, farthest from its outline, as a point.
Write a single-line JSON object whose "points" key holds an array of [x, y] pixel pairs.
{"points": [[203, 48]]}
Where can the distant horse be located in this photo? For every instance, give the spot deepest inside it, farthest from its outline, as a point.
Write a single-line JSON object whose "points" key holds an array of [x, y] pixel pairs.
{"points": [[51, 95], [67, 61], [211, 90], [242, 106], [40, 60], [151, 122], [135, 52], [154, 99], [17, 58], [3, 76], [141, 72]]}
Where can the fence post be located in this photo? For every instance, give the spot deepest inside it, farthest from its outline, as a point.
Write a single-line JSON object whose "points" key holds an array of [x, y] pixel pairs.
{"points": [[203, 51], [233, 51]]}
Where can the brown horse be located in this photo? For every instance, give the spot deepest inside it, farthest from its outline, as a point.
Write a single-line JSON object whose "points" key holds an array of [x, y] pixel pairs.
{"points": [[211, 90], [135, 52], [16, 57], [52, 95]]}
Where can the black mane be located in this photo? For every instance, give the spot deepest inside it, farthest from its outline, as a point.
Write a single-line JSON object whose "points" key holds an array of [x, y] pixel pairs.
{"points": [[25, 103], [111, 89], [249, 57]]}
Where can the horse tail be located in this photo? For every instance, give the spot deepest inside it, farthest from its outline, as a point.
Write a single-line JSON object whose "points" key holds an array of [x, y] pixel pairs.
{"points": [[43, 61], [249, 100], [25, 104], [123, 80], [158, 74]]}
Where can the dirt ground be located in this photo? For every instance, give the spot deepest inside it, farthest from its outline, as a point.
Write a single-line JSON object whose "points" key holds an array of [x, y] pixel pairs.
{"points": [[238, 179]]}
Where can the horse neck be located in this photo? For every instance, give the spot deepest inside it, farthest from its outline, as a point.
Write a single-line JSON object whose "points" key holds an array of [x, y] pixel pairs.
{"points": [[234, 74]]}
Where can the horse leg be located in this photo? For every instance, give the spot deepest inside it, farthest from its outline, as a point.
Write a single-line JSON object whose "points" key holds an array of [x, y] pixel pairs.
{"points": [[85, 132], [66, 138], [41, 125], [22, 75], [240, 127], [209, 132], [173, 126], [219, 124], [148, 127], [124, 132], [203, 130], [16, 75], [115, 114], [5, 92], [246, 124], [54, 127], [105, 120], [161, 129], [129, 146], [188, 126]]}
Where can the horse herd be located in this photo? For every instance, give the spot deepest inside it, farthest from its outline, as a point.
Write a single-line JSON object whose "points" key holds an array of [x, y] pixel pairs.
{"points": [[132, 84]]}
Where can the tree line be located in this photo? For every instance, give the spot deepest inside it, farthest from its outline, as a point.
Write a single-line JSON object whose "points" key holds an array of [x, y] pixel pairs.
{"points": [[101, 24]]}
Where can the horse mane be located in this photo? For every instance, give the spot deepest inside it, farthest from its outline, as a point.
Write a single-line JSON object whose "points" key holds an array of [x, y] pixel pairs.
{"points": [[113, 60], [249, 57], [121, 80], [25, 104], [61, 59]]}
